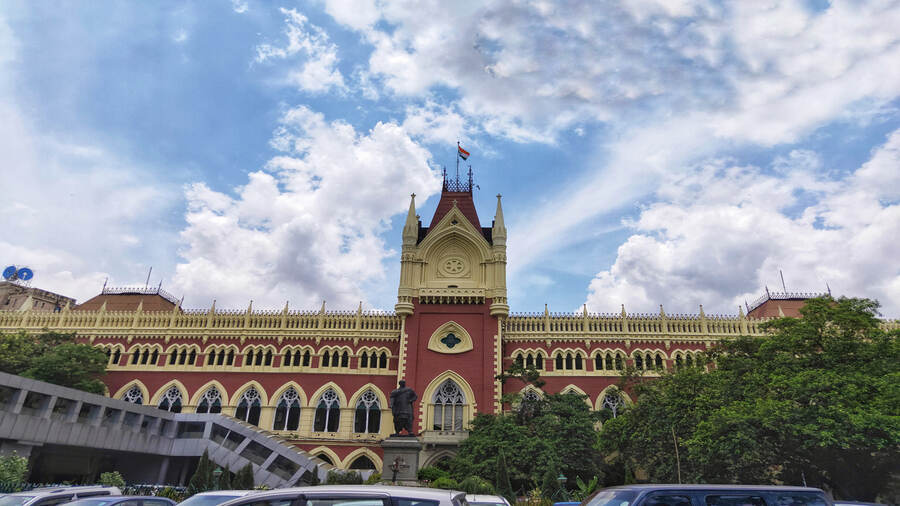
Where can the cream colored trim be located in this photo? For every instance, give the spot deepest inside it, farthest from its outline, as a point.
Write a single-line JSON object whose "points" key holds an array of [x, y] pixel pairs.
{"points": [[599, 400], [195, 400], [314, 398], [276, 396], [355, 454], [138, 383], [338, 463], [162, 390], [465, 344], [263, 395], [426, 413]]}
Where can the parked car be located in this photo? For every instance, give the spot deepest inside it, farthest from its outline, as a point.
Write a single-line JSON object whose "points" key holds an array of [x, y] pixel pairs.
{"points": [[123, 500], [51, 496], [486, 500], [214, 498], [354, 495], [708, 495]]}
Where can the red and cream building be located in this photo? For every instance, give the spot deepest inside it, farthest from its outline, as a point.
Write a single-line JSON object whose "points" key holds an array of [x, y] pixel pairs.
{"points": [[322, 378]]}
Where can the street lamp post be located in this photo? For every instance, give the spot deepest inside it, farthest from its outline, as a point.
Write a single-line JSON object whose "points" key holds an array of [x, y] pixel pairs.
{"points": [[217, 474], [562, 486]]}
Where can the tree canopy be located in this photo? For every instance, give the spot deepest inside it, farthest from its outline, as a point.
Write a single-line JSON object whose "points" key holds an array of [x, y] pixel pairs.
{"points": [[555, 433], [53, 357], [815, 401]]}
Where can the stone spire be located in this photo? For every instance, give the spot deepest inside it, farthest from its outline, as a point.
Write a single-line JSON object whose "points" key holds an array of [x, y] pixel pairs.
{"points": [[498, 233], [411, 228]]}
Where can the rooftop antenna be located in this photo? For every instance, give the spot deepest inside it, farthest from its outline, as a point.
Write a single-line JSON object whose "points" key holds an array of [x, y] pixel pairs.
{"points": [[104, 284], [158, 288], [146, 283], [768, 296], [747, 306], [829, 288], [782, 280]]}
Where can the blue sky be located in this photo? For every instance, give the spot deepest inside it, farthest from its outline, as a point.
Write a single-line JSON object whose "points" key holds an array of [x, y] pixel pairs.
{"points": [[674, 152]]}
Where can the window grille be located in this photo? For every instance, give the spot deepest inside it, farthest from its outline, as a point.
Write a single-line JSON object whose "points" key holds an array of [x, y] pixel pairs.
{"points": [[368, 414], [171, 400], [134, 395], [448, 407], [287, 414], [328, 413], [248, 407], [210, 402]]}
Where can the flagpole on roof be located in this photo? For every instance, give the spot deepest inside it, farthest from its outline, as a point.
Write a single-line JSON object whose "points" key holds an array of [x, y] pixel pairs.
{"points": [[457, 160]]}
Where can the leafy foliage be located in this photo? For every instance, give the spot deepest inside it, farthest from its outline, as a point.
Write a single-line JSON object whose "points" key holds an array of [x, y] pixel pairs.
{"points": [[373, 479], [55, 358], [476, 485], [112, 479], [431, 473], [818, 399], [556, 433], [243, 479], [445, 483], [13, 468], [343, 478], [202, 480]]}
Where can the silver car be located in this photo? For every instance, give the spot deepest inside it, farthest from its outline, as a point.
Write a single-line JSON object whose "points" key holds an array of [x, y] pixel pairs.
{"points": [[353, 495], [51, 496]]}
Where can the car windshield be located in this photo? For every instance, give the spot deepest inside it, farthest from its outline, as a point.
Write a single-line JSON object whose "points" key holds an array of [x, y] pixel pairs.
{"points": [[15, 500], [612, 498], [207, 500]]}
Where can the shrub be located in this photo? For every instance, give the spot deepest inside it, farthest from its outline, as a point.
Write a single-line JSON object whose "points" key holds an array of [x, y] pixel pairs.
{"points": [[113, 479], [374, 479], [477, 485], [343, 478], [13, 468], [445, 483], [431, 473]]}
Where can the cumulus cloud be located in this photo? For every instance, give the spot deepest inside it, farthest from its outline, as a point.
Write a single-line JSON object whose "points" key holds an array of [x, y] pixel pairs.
{"points": [[306, 227], [721, 232], [309, 44]]}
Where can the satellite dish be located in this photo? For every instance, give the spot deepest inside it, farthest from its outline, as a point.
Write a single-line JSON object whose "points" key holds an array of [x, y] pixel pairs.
{"points": [[25, 274], [9, 273]]}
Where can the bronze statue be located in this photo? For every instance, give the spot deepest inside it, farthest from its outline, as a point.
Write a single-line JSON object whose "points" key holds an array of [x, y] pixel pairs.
{"points": [[401, 403]]}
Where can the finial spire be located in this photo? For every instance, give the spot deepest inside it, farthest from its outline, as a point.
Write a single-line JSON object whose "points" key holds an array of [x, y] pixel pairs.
{"points": [[411, 227]]}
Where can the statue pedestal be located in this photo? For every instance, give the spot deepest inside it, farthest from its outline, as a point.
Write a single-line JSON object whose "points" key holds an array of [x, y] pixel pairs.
{"points": [[401, 455]]}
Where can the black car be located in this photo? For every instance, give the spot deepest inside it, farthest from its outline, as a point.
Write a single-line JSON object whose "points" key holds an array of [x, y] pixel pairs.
{"points": [[708, 495]]}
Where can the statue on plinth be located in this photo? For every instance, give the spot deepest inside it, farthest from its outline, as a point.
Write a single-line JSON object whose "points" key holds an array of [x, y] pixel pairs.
{"points": [[401, 404]]}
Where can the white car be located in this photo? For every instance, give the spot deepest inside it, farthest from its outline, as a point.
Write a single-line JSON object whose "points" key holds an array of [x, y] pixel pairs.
{"points": [[353, 495], [50, 496], [486, 500], [215, 497]]}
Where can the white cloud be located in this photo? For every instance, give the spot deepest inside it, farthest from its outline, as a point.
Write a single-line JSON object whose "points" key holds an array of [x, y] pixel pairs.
{"points": [[318, 71], [72, 210], [721, 230], [240, 6], [434, 123], [306, 228]]}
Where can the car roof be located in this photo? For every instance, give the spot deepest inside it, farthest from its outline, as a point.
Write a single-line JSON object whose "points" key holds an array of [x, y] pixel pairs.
{"points": [[239, 493], [63, 490], [699, 486], [418, 492], [484, 498], [122, 498]]}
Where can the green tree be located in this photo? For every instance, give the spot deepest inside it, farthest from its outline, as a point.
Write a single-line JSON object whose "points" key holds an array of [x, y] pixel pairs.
{"points": [[55, 358], [477, 485], [557, 432], [13, 468], [343, 478], [202, 480], [818, 399], [243, 480], [446, 483], [112, 479], [225, 479]]}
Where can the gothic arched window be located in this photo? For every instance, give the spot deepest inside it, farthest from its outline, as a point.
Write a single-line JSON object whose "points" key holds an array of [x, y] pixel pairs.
{"points": [[210, 401], [559, 362], [383, 361], [363, 361], [328, 413], [134, 395], [248, 407], [598, 362], [116, 356], [658, 363], [448, 403], [638, 362], [362, 462], [287, 413], [613, 401], [539, 361], [325, 359], [368, 414], [171, 400], [345, 360]]}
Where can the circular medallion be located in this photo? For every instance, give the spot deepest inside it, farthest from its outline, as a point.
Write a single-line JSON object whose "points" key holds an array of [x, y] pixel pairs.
{"points": [[453, 266]]}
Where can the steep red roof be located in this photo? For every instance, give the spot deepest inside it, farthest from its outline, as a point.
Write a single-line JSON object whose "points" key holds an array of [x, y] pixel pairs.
{"points": [[463, 201]]}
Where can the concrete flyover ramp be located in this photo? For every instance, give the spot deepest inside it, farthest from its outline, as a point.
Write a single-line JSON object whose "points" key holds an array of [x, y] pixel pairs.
{"points": [[68, 434]]}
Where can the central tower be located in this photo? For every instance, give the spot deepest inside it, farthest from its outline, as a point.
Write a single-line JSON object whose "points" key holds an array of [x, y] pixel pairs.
{"points": [[452, 298]]}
